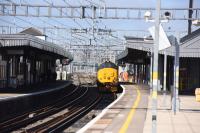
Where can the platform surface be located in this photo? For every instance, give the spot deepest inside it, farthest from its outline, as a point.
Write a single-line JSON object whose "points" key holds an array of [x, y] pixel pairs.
{"points": [[186, 120], [10, 94], [128, 114]]}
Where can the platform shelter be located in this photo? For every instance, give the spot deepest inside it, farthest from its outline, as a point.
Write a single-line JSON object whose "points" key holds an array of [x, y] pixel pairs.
{"points": [[139, 53], [27, 60]]}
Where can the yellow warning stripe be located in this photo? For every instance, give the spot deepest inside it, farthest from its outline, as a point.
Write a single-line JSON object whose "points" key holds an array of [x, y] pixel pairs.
{"points": [[154, 94], [155, 75], [129, 118]]}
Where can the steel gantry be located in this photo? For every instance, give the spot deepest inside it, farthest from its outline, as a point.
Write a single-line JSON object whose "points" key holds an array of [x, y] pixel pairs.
{"points": [[92, 12]]}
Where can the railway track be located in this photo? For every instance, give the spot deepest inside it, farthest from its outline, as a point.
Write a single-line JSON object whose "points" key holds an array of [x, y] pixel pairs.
{"points": [[85, 79], [80, 107], [32, 116], [70, 102]]}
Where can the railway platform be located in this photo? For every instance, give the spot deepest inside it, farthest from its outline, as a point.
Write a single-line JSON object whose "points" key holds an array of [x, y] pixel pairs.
{"points": [[20, 101], [126, 114], [7, 94], [186, 120], [131, 113]]}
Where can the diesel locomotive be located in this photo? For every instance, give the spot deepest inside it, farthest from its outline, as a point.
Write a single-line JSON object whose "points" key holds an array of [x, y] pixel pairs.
{"points": [[107, 77]]}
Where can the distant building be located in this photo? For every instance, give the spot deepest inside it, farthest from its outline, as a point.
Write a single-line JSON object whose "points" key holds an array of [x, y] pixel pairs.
{"points": [[34, 32]]}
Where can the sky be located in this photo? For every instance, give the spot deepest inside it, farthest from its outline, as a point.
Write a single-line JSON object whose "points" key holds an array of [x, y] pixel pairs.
{"points": [[121, 27]]}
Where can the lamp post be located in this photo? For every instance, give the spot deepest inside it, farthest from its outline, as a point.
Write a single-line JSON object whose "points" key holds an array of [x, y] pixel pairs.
{"points": [[155, 69], [175, 99], [147, 15], [164, 43]]}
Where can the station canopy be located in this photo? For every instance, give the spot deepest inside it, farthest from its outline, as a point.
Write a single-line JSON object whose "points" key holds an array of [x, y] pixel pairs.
{"points": [[189, 46], [32, 37], [136, 51]]}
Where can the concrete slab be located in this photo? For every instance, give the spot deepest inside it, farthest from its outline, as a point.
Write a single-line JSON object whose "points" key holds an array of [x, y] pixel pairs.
{"points": [[185, 121]]}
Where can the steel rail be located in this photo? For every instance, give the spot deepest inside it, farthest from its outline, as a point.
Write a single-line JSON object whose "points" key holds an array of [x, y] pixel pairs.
{"points": [[48, 123], [64, 120], [37, 114]]}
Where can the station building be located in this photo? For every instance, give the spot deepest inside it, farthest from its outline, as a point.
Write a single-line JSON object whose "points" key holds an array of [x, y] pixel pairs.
{"points": [[138, 56], [27, 59]]}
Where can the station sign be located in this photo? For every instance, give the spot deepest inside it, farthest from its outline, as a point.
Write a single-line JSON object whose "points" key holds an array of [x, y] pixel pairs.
{"points": [[163, 39]]}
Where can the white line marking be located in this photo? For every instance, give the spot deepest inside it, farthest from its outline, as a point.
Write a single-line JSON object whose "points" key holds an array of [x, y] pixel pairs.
{"points": [[35, 93]]}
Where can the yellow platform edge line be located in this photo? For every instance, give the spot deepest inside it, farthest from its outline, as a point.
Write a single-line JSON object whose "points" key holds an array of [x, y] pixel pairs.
{"points": [[125, 126], [154, 95]]}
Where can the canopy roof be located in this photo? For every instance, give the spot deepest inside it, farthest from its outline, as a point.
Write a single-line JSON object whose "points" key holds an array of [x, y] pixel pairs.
{"points": [[189, 45], [22, 39]]}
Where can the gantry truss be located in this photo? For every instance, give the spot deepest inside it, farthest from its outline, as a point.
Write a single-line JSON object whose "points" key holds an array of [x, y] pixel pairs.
{"points": [[92, 12]]}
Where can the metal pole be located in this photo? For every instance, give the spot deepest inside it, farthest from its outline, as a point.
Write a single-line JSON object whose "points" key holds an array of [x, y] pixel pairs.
{"points": [[177, 75], [165, 77], [165, 72], [177, 67], [151, 66], [155, 69], [190, 12], [135, 74], [174, 90], [175, 99]]}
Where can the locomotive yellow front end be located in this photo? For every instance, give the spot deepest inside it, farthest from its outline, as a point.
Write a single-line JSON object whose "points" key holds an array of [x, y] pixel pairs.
{"points": [[107, 77]]}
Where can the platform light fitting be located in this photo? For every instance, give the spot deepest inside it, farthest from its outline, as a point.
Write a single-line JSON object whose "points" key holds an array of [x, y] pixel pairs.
{"points": [[147, 15], [167, 15], [196, 22]]}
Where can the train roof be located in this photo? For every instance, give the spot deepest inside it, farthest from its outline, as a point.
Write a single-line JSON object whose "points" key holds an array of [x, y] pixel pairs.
{"points": [[107, 64]]}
